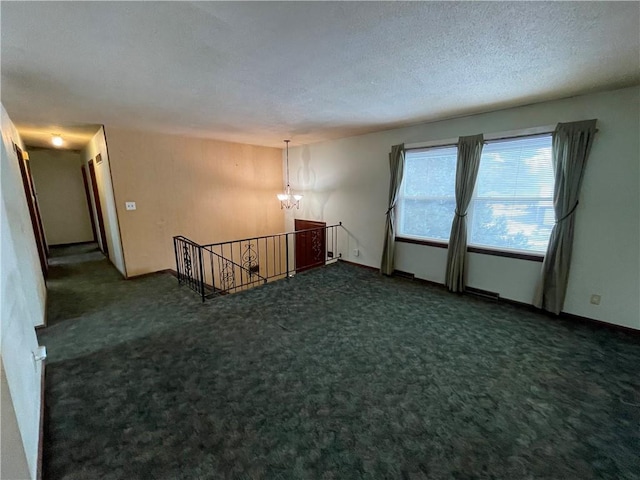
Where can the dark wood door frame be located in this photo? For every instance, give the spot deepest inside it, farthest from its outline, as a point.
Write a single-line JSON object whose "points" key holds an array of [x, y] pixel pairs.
{"points": [[36, 222], [98, 205], [36, 204], [89, 205], [310, 245]]}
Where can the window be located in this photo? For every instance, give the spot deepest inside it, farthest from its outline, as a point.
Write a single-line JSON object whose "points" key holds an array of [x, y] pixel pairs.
{"points": [[427, 196], [512, 205]]}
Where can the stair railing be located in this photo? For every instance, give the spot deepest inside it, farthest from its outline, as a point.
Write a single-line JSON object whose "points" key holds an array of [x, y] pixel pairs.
{"points": [[227, 276], [227, 267]]}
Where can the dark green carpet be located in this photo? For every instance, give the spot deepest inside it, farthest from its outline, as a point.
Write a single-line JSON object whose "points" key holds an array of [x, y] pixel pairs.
{"points": [[336, 374]]}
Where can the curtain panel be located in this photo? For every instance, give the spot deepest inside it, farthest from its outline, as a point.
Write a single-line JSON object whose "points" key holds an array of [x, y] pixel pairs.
{"points": [[469, 151], [570, 149], [396, 165]]}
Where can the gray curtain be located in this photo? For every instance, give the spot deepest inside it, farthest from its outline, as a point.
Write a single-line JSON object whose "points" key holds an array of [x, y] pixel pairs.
{"points": [[469, 151], [396, 164], [571, 146]]}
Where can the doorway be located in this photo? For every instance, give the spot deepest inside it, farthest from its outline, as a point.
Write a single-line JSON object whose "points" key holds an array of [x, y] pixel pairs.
{"points": [[34, 210], [98, 205], [311, 244], [85, 181]]}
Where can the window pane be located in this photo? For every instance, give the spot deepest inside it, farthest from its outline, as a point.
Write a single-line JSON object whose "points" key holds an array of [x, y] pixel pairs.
{"points": [[427, 196], [430, 172], [516, 168], [512, 206], [427, 218], [512, 224]]}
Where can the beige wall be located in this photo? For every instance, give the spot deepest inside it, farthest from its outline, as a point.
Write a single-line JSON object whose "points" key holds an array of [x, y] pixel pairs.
{"points": [[61, 195], [22, 306], [206, 190], [98, 145]]}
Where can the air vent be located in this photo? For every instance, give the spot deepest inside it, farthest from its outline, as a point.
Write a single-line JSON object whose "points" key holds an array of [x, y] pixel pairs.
{"points": [[400, 273], [483, 293]]}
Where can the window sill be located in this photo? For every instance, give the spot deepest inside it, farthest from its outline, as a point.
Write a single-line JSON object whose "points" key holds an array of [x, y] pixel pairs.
{"points": [[532, 257], [420, 241]]}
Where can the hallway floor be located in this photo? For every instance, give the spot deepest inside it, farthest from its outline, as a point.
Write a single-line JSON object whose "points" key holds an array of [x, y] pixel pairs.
{"points": [[338, 373]]}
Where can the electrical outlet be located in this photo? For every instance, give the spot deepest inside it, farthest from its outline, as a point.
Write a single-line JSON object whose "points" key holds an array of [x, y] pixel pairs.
{"points": [[595, 299], [356, 252], [130, 205]]}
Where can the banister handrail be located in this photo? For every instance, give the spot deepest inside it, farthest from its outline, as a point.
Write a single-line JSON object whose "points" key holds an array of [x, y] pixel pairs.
{"points": [[273, 235], [187, 240]]}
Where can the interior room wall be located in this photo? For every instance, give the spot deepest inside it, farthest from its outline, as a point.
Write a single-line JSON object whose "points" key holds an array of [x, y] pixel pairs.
{"points": [[13, 462], [61, 195], [348, 180], [23, 294], [98, 145], [206, 190]]}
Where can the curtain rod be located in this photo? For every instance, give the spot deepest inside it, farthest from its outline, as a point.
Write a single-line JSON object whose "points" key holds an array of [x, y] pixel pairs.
{"points": [[509, 137], [487, 140], [444, 145]]}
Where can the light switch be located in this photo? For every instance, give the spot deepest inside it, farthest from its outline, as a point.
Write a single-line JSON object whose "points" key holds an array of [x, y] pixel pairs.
{"points": [[130, 205]]}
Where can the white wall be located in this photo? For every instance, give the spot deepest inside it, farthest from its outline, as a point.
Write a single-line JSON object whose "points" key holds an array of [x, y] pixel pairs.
{"points": [[13, 462], [348, 180], [61, 195], [98, 145], [22, 306]]}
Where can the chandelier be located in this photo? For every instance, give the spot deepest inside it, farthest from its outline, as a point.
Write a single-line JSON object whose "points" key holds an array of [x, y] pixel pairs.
{"points": [[287, 199]]}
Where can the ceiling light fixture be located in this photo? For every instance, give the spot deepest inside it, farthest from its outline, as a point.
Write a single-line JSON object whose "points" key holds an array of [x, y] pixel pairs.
{"points": [[57, 140], [287, 199]]}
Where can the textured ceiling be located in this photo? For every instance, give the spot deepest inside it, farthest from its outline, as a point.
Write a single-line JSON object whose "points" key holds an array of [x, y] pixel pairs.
{"points": [[259, 72]]}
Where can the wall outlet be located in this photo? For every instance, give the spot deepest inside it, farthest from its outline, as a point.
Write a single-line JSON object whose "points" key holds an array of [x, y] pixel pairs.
{"points": [[356, 252], [595, 299], [130, 205]]}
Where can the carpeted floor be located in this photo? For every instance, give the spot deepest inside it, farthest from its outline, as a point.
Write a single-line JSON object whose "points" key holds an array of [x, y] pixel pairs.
{"points": [[338, 373]]}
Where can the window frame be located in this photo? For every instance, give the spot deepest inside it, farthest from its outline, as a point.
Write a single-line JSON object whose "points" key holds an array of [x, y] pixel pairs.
{"points": [[472, 247], [415, 238]]}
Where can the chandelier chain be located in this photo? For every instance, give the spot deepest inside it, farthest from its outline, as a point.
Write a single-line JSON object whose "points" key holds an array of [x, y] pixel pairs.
{"points": [[287, 142], [287, 199]]}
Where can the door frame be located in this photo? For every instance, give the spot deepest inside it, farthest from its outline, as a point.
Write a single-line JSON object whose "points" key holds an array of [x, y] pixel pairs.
{"points": [[85, 181], [98, 206], [34, 211]]}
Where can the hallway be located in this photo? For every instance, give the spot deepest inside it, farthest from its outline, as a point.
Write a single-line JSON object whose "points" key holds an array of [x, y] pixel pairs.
{"points": [[91, 307], [99, 328]]}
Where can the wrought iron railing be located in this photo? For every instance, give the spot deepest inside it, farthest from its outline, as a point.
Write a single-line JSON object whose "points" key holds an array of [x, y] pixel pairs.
{"points": [[189, 268], [227, 267]]}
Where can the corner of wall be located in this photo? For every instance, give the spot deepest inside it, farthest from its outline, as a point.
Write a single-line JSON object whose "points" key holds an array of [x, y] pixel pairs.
{"points": [[98, 145], [22, 306]]}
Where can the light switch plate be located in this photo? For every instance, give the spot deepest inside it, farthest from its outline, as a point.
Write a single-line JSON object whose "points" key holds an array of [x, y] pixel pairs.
{"points": [[130, 205]]}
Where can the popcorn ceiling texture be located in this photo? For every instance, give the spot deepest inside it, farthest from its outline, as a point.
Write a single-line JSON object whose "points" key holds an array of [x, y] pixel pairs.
{"points": [[258, 72], [338, 373]]}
